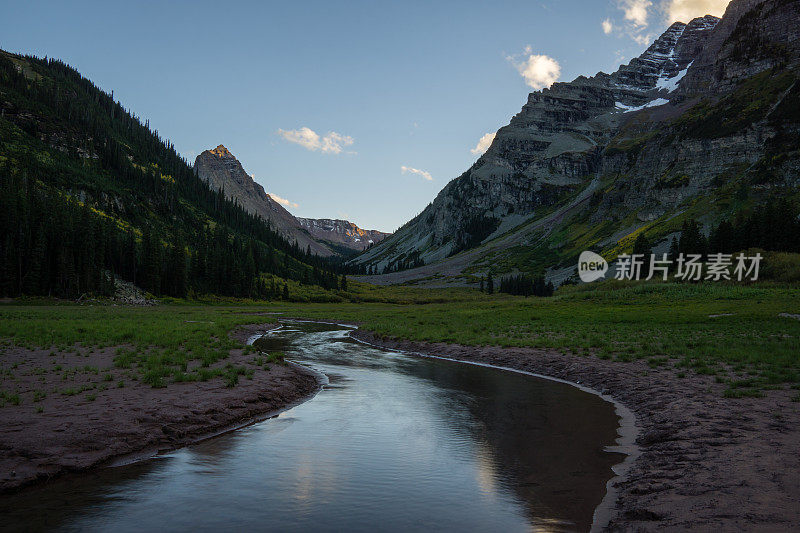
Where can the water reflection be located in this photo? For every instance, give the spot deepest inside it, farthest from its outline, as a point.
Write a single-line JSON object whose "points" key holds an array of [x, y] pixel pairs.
{"points": [[395, 442]]}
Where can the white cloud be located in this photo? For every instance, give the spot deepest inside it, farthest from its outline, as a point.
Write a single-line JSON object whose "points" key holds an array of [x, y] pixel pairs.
{"points": [[483, 144], [686, 10], [427, 175], [636, 11], [539, 71], [332, 142], [636, 15], [282, 201]]}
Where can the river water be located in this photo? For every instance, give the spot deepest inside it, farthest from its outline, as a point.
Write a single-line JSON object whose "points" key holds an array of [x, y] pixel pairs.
{"points": [[393, 442]]}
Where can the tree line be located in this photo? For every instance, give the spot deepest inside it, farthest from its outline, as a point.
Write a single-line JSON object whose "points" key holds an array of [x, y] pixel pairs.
{"points": [[53, 245], [526, 285], [772, 226]]}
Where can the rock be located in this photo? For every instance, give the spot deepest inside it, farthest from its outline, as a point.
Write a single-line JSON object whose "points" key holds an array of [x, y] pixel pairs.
{"points": [[342, 232], [127, 293]]}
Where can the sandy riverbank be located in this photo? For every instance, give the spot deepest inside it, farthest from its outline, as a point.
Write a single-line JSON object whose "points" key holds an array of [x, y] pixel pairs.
{"points": [[706, 462], [74, 433]]}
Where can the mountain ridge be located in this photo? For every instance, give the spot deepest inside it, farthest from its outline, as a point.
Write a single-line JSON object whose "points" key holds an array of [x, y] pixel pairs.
{"points": [[628, 143], [342, 232]]}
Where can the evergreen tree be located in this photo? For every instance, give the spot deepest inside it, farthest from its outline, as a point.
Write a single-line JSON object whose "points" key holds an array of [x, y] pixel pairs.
{"points": [[525, 285], [692, 241], [721, 239], [151, 263], [642, 247], [673, 250]]}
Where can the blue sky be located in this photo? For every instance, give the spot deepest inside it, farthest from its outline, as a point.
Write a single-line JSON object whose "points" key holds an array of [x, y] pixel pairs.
{"points": [[398, 94]]}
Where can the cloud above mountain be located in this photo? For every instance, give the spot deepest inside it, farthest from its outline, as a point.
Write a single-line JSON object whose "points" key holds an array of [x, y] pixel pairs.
{"points": [[331, 143], [636, 11], [538, 70], [426, 175], [483, 144], [686, 10], [282, 201], [637, 15]]}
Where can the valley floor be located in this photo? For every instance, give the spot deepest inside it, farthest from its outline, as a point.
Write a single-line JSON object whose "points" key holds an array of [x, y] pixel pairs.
{"points": [[712, 373]]}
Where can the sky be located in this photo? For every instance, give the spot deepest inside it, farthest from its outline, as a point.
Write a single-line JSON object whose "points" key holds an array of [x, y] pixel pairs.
{"points": [[361, 110]]}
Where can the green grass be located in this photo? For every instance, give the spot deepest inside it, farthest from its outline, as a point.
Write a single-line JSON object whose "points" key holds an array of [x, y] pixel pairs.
{"points": [[663, 323], [666, 324], [158, 344], [11, 398], [275, 357]]}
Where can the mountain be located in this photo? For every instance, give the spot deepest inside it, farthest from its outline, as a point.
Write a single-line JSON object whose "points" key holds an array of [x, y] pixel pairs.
{"points": [[702, 125], [342, 233], [222, 171], [89, 195], [324, 237]]}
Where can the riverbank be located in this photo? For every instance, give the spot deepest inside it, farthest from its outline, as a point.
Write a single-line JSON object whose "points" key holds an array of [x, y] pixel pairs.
{"points": [[705, 461], [90, 412]]}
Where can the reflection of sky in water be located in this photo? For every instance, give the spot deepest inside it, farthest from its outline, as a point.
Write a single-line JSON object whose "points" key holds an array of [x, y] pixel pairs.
{"points": [[396, 443]]}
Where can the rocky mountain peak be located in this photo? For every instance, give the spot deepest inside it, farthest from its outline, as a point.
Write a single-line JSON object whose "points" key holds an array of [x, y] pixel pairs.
{"points": [[342, 232], [221, 170], [667, 58], [221, 151]]}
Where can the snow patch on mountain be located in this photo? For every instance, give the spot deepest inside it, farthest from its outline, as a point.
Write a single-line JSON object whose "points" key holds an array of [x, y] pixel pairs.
{"points": [[630, 109], [670, 84]]}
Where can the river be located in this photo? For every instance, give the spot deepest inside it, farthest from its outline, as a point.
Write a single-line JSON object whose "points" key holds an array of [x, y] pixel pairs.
{"points": [[393, 442]]}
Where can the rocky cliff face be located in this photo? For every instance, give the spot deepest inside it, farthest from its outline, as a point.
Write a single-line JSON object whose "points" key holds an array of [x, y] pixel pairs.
{"points": [[691, 115], [221, 170], [342, 233]]}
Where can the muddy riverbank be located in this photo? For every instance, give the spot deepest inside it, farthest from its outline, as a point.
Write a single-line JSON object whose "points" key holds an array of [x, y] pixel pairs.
{"points": [[55, 430]]}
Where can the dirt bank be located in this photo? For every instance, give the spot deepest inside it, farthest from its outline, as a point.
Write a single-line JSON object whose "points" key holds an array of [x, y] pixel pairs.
{"points": [[706, 462], [53, 431]]}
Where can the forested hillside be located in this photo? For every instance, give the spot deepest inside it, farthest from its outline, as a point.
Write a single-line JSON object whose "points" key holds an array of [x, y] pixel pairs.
{"points": [[89, 193]]}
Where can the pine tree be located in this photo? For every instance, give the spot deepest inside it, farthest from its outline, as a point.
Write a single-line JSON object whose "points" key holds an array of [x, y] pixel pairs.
{"points": [[721, 239], [36, 278], [151, 263], [489, 283], [642, 247], [692, 241], [673, 250]]}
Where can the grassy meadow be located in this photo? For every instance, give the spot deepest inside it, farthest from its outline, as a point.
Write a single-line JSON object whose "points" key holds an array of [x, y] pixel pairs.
{"points": [[734, 332]]}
